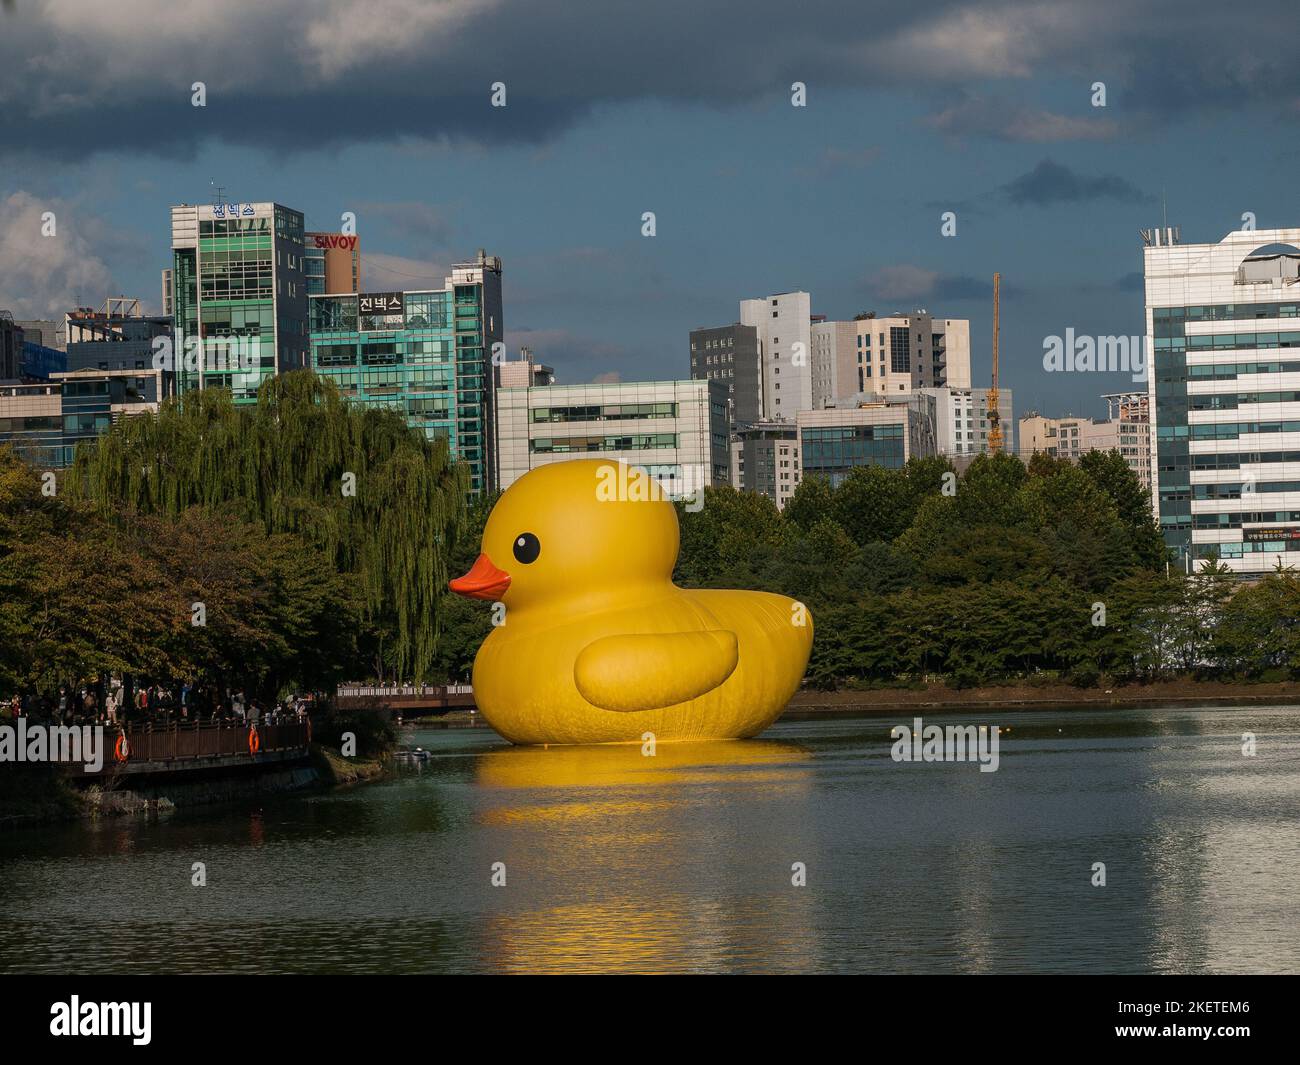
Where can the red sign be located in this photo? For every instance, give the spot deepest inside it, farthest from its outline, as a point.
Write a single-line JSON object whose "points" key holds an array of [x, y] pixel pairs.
{"points": [[334, 240]]}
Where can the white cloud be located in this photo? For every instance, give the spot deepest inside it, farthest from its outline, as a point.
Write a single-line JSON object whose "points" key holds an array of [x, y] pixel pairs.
{"points": [[343, 35], [44, 277], [383, 273]]}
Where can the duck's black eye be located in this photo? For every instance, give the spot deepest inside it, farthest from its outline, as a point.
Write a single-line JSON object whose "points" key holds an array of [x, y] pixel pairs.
{"points": [[527, 548]]}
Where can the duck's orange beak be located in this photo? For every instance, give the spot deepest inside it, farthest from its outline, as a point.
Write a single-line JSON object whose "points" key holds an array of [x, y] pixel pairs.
{"points": [[483, 581]]}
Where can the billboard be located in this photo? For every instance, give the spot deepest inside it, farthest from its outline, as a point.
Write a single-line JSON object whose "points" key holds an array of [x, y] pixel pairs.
{"points": [[1254, 536], [380, 303]]}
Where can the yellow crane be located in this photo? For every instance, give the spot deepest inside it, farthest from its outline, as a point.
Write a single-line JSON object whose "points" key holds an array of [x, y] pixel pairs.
{"points": [[995, 419]]}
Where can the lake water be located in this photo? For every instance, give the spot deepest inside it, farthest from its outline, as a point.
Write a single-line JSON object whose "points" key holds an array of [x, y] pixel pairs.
{"points": [[682, 862]]}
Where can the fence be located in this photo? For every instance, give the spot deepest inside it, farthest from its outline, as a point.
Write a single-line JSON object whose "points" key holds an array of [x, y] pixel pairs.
{"points": [[166, 743]]}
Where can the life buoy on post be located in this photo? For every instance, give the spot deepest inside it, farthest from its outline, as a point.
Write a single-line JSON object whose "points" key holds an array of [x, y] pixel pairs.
{"points": [[254, 741], [122, 749]]}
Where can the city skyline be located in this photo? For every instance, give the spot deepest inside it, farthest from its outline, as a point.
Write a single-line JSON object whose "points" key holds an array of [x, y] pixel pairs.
{"points": [[944, 109]]}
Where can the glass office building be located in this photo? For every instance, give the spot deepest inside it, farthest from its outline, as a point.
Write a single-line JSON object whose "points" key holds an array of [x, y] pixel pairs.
{"points": [[1223, 329], [868, 431], [45, 421], [239, 295], [425, 353]]}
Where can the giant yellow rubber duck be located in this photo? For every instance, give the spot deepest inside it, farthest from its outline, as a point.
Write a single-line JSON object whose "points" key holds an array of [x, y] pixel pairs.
{"points": [[596, 644]]}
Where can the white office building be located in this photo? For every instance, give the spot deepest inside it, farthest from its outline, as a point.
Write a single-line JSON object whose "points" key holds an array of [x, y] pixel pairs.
{"points": [[961, 420], [1223, 327], [895, 355], [784, 326], [676, 430]]}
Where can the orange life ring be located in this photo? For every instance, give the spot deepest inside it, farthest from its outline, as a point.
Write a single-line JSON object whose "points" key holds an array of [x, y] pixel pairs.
{"points": [[254, 741], [122, 749]]}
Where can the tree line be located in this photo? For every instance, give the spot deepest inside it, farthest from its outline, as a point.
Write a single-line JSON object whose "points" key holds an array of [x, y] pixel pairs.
{"points": [[1011, 570], [304, 540], [282, 545]]}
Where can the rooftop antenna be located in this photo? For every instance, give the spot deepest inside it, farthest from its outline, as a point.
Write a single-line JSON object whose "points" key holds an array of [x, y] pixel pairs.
{"points": [[1164, 210]]}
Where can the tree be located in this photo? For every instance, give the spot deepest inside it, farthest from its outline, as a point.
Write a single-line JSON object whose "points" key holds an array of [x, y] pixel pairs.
{"points": [[378, 499], [1109, 470], [871, 503]]}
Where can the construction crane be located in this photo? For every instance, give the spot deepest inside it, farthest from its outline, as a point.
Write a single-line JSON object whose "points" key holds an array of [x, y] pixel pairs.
{"points": [[995, 419]]}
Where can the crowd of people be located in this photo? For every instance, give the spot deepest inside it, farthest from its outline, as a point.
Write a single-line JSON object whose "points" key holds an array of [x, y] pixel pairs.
{"points": [[114, 703]]}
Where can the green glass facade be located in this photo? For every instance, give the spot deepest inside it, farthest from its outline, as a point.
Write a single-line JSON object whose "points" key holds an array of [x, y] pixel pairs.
{"points": [[240, 289], [833, 451], [431, 361]]}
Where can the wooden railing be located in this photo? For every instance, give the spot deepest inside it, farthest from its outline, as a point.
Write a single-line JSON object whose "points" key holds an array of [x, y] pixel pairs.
{"points": [[435, 691], [167, 743]]}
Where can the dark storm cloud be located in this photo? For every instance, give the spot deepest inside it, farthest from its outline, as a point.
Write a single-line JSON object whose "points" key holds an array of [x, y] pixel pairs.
{"points": [[78, 77], [1050, 182]]}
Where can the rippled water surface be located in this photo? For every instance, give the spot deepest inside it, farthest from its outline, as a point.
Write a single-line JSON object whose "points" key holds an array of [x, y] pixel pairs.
{"points": [[682, 862]]}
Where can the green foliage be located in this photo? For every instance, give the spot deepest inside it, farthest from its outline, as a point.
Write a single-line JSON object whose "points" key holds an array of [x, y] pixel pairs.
{"points": [[286, 463], [1001, 580], [246, 511]]}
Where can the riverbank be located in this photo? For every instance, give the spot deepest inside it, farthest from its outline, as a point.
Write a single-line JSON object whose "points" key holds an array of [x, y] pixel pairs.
{"points": [[35, 795], [41, 795], [337, 771], [808, 704]]}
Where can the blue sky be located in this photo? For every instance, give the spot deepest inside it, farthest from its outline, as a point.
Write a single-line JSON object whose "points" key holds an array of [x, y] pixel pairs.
{"points": [[614, 109]]}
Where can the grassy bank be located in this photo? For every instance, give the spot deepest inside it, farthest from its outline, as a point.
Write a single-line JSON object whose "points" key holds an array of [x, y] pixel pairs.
{"points": [[1183, 692]]}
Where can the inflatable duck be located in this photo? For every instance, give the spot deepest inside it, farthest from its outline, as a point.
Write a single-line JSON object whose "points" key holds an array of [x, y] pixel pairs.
{"points": [[597, 645]]}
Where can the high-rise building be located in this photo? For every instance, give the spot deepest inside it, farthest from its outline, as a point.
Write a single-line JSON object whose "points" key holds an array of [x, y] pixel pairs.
{"points": [[1224, 390], [765, 459], [784, 331], [11, 348], [426, 353], [675, 430], [961, 420], [834, 371], [239, 295], [730, 353], [898, 354], [332, 263]]}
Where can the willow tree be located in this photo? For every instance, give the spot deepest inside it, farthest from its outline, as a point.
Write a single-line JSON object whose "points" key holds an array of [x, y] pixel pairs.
{"points": [[356, 481]]}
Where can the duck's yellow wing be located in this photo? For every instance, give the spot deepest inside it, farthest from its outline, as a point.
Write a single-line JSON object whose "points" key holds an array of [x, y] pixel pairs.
{"points": [[648, 672]]}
